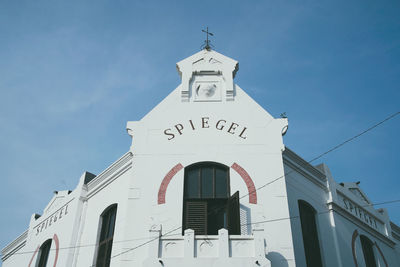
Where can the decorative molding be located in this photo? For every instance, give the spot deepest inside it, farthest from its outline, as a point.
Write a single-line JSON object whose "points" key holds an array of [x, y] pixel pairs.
{"points": [[249, 182], [114, 171], [364, 208], [348, 216], [209, 64], [304, 172], [14, 246], [314, 172], [164, 184], [395, 228]]}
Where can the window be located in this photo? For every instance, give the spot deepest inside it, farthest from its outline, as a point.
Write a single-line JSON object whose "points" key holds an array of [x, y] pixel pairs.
{"points": [[107, 223], [207, 204], [310, 234], [43, 254], [368, 251]]}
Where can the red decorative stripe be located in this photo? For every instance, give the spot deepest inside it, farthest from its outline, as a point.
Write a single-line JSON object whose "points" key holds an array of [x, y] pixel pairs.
{"points": [[57, 243], [33, 256], [380, 252], [164, 184], [249, 182], [353, 246]]}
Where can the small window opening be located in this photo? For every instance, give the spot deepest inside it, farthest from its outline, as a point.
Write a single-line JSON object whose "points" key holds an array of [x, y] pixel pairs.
{"points": [[43, 255], [368, 251], [107, 223], [310, 234]]}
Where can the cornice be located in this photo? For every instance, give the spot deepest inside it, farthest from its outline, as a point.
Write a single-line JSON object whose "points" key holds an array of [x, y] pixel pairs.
{"points": [[395, 227], [368, 207], [305, 169], [289, 154], [395, 231], [355, 220], [110, 174], [14, 246]]}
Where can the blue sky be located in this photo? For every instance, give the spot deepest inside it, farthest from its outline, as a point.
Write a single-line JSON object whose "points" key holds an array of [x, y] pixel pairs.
{"points": [[72, 73]]}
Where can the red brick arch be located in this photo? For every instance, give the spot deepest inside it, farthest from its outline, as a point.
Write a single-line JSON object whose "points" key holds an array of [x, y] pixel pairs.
{"points": [[164, 184], [249, 182], [57, 244], [242, 172]]}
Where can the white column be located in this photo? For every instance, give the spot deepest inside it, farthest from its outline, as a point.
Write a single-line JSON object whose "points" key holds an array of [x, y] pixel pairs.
{"points": [[189, 243], [223, 240]]}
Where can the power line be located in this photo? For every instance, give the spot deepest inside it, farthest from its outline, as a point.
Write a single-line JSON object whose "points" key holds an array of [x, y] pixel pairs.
{"points": [[318, 213], [356, 136], [328, 151], [259, 188], [177, 228], [319, 156]]}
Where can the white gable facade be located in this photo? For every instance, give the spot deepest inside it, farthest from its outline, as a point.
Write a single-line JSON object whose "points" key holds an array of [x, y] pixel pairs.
{"points": [[208, 181]]}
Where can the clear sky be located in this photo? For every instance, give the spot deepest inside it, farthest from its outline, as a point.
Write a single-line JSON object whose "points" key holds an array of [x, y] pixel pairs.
{"points": [[72, 73]]}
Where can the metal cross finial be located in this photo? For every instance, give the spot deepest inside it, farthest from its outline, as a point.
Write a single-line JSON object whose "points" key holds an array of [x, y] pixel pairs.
{"points": [[207, 44]]}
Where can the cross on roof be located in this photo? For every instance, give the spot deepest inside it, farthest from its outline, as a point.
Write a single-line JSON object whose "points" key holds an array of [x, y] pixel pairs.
{"points": [[207, 44]]}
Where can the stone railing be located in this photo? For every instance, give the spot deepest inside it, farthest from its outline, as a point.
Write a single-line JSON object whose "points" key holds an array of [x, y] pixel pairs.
{"points": [[217, 250]]}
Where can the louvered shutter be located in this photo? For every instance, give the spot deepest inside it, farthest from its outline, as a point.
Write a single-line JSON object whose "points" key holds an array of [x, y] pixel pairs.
{"points": [[233, 214], [196, 217]]}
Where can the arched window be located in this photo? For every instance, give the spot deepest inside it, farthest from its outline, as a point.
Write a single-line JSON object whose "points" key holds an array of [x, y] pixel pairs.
{"points": [[107, 224], [207, 204], [368, 251], [310, 234], [43, 254]]}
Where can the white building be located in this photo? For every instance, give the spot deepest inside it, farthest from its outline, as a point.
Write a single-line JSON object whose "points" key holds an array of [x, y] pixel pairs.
{"points": [[208, 158]]}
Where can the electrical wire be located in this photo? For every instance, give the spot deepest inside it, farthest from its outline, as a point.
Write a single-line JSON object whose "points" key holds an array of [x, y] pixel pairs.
{"points": [[177, 228], [328, 151], [259, 188]]}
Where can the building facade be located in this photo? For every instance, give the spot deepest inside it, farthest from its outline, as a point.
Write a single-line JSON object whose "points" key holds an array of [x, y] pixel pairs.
{"points": [[208, 182]]}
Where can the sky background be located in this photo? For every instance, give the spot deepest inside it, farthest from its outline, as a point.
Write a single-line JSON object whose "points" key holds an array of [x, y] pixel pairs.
{"points": [[72, 73]]}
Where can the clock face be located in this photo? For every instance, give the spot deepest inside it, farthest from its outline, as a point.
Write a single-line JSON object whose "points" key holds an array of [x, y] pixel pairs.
{"points": [[206, 90]]}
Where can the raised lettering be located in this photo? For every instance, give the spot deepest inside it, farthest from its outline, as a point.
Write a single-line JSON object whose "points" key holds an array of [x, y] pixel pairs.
{"points": [[241, 134], [179, 128], [218, 126], [204, 122], [233, 127], [345, 204], [191, 124], [169, 133]]}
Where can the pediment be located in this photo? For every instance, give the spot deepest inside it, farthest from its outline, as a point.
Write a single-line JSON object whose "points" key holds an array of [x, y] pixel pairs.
{"points": [[56, 201], [357, 191]]}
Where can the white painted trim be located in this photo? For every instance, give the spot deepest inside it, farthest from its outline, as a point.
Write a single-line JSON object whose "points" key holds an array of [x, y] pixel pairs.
{"points": [[116, 169], [14, 246], [350, 217]]}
